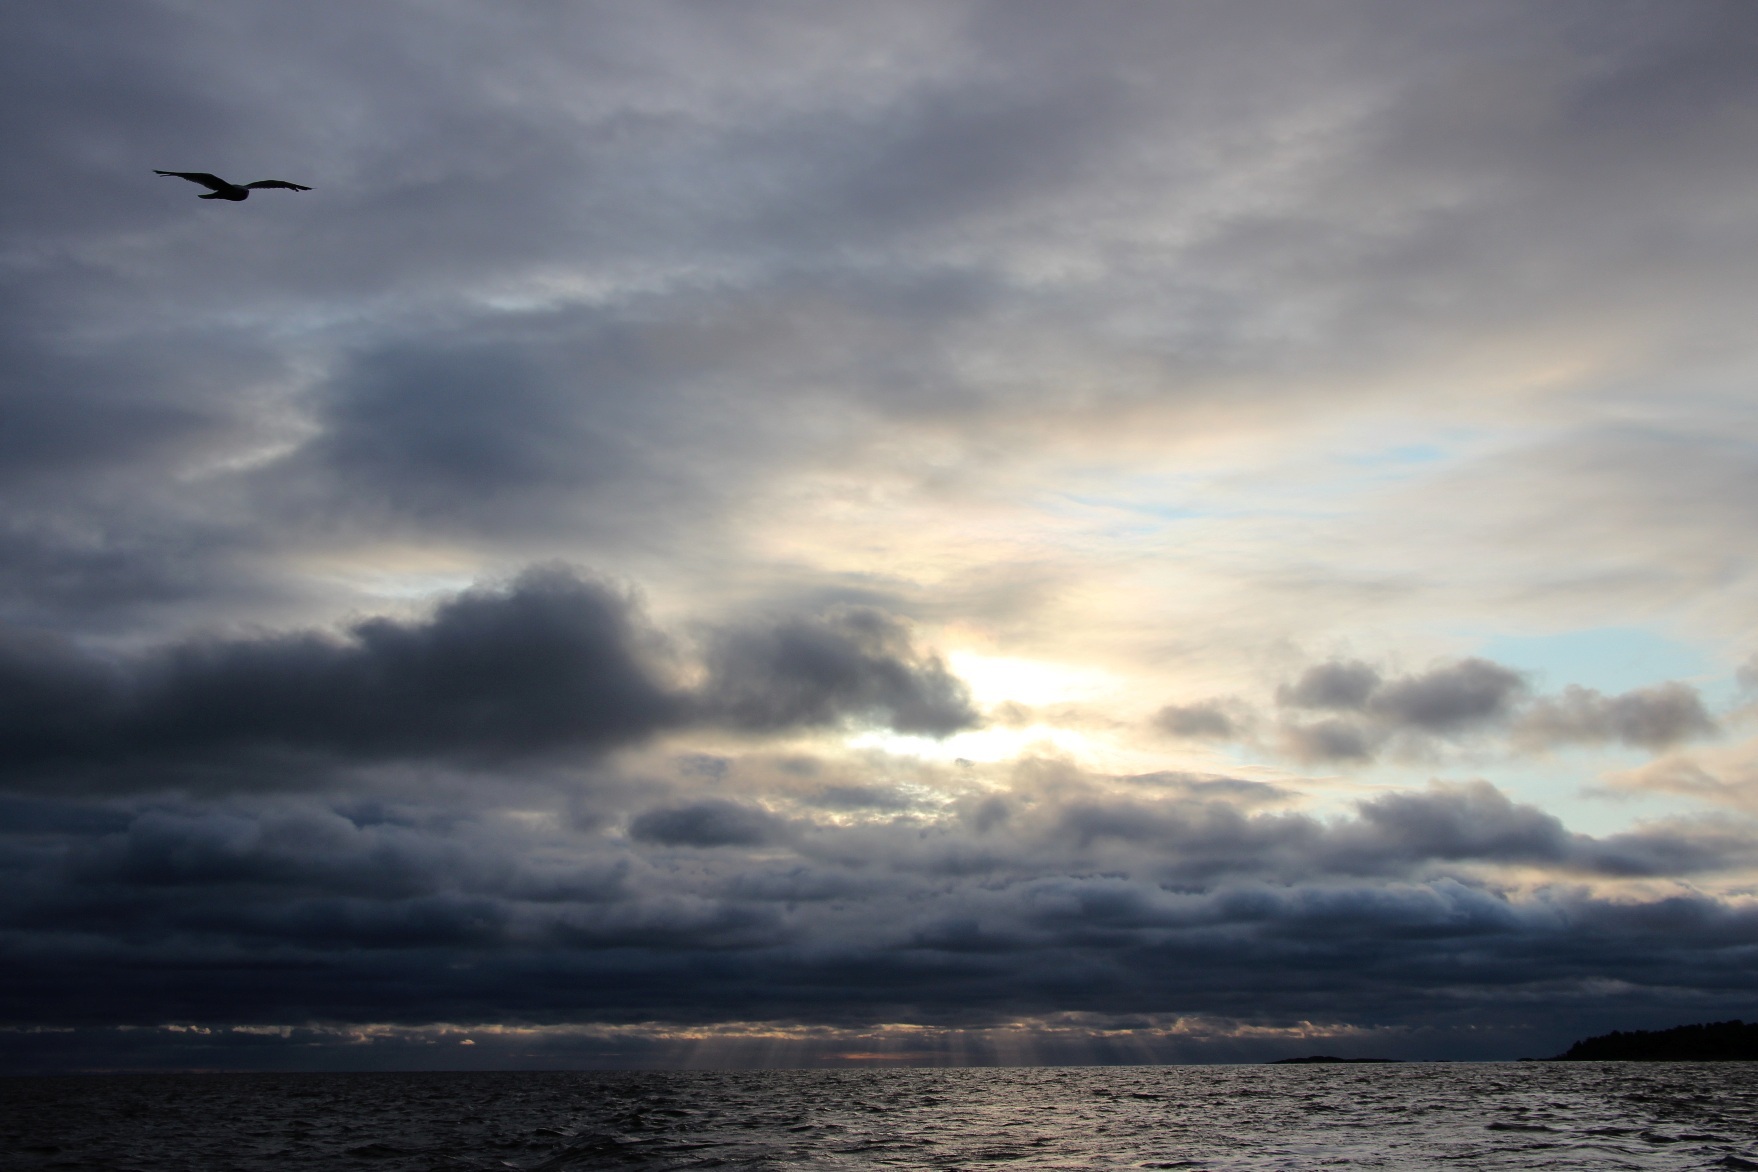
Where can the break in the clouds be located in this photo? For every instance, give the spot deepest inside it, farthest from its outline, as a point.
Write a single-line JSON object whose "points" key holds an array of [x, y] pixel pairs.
{"points": [[719, 532]]}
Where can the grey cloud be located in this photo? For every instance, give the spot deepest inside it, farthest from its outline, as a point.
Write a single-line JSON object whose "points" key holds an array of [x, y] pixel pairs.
{"points": [[551, 664], [736, 336], [1340, 684], [857, 663], [1207, 720], [706, 824], [1470, 695], [292, 909], [1449, 699], [1329, 740], [106, 412], [1195, 840], [1476, 821], [1203, 836], [861, 797], [1214, 788], [1470, 821], [436, 430], [314, 850], [1197, 835], [1648, 718]]}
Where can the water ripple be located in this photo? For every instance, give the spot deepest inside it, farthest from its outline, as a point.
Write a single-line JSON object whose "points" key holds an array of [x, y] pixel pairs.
{"points": [[1200, 1119]]}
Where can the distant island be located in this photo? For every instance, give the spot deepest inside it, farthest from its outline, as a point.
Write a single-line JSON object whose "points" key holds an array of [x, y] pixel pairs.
{"points": [[1715, 1041], [1325, 1058]]}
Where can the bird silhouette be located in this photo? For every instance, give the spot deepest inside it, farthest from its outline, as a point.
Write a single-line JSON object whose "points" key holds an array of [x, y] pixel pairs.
{"points": [[222, 190]]}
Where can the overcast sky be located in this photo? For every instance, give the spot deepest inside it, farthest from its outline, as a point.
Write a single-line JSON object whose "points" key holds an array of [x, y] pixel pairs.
{"points": [[790, 533]]}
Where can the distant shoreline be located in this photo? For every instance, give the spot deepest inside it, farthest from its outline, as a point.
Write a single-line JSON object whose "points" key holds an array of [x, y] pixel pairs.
{"points": [[1716, 1041]]}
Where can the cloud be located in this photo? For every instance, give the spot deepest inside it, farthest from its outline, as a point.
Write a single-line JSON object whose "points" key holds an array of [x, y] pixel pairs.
{"points": [[462, 429], [1469, 821], [1471, 696], [1339, 684], [1329, 740], [1199, 838], [853, 664], [1647, 718], [553, 663], [1449, 700], [1725, 775], [861, 797], [308, 907], [1206, 720], [707, 824], [1211, 787], [1149, 340]]}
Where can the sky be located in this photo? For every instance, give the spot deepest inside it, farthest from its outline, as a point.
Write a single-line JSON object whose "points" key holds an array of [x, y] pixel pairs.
{"points": [[807, 534]]}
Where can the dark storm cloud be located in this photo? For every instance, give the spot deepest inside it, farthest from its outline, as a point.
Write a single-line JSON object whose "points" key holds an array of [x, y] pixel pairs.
{"points": [[857, 662], [552, 664], [1647, 718], [1202, 838], [1461, 822], [1478, 821], [708, 823], [293, 910]]}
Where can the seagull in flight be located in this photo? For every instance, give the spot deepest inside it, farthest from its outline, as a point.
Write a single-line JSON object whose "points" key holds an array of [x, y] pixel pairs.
{"points": [[232, 191]]}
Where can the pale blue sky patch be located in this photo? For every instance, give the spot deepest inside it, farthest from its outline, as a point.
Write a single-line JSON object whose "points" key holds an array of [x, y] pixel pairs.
{"points": [[1611, 659]]}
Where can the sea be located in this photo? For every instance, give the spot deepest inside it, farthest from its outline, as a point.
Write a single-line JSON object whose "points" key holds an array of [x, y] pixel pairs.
{"points": [[1598, 1115]]}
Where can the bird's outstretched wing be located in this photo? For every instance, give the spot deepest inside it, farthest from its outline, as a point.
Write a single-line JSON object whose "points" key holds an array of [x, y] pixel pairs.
{"points": [[213, 182], [277, 183]]}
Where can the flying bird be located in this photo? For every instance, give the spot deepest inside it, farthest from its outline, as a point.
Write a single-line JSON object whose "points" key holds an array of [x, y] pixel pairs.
{"points": [[232, 191]]}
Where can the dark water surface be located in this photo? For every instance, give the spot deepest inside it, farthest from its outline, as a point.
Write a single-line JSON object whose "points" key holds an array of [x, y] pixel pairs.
{"points": [[1579, 1115]]}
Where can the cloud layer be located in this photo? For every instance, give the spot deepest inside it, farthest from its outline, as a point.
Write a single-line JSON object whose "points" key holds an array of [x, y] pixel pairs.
{"points": [[952, 516], [553, 664], [1347, 710]]}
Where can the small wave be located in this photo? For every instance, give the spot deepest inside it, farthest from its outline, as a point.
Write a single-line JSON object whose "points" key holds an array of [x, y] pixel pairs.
{"points": [[380, 1151]]}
